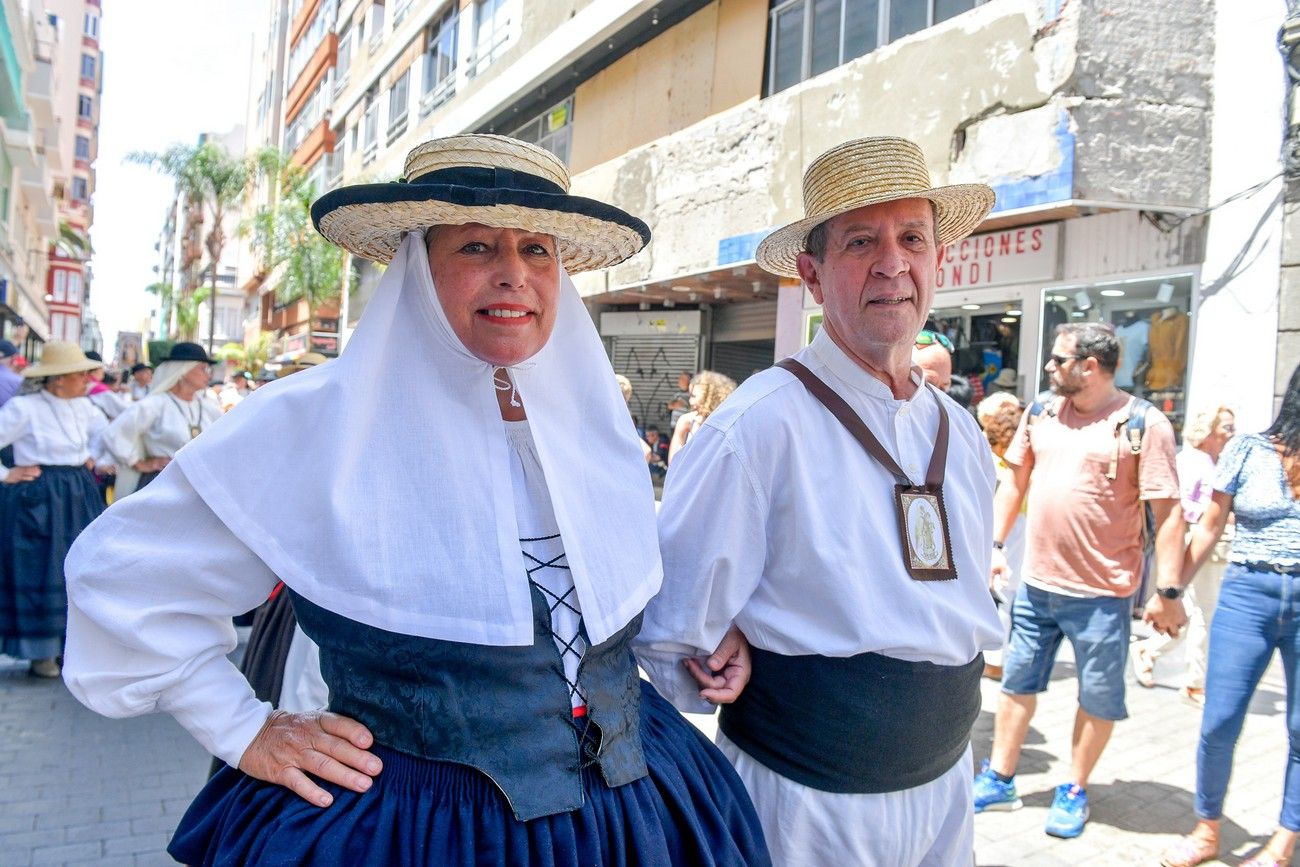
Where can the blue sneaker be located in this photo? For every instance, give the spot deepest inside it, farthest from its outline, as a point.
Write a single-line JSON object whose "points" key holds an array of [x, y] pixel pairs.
{"points": [[993, 794], [1069, 811]]}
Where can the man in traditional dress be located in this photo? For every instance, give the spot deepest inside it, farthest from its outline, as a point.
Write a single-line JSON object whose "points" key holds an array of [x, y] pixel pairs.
{"points": [[798, 517]]}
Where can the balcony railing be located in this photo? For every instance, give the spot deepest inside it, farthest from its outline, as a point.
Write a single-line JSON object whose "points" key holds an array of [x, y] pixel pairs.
{"points": [[442, 91]]}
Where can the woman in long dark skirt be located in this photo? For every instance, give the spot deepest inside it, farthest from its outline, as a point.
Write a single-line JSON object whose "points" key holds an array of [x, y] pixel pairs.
{"points": [[471, 555], [48, 497], [147, 435]]}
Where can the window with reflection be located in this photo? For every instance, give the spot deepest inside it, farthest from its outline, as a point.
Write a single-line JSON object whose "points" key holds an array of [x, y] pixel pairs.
{"points": [[809, 37]]}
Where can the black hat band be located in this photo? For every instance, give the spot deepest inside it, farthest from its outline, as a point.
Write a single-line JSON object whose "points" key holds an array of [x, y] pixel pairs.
{"points": [[487, 181]]}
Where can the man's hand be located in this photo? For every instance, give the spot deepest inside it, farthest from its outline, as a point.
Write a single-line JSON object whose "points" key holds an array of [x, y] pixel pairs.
{"points": [[1167, 616], [999, 572], [22, 474], [327, 745], [728, 669]]}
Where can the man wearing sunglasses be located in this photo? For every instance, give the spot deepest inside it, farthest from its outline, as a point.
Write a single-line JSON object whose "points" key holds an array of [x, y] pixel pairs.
{"points": [[1090, 458]]}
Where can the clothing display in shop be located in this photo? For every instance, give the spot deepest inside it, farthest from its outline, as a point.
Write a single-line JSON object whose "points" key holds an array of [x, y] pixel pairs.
{"points": [[1133, 336], [1167, 348]]}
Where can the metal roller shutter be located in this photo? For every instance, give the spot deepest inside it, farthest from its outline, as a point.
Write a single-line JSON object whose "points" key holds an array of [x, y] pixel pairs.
{"points": [[652, 362]]}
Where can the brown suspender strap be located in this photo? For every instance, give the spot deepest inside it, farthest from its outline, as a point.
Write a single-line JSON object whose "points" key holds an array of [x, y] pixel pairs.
{"points": [[858, 428]]}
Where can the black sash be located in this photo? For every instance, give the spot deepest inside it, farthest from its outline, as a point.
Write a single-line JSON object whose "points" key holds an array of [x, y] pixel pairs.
{"points": [[857, 724]]}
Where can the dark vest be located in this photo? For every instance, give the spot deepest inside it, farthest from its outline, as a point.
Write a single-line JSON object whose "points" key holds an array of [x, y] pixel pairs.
{"points": [[878, 724], [504, 711]]}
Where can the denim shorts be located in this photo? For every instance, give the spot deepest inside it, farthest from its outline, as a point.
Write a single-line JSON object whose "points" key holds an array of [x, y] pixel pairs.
{"points": [[1098, 630]]}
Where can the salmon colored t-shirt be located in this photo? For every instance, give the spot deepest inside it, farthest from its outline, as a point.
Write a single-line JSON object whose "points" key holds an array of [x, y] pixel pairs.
{"points": [[1084, 532]]}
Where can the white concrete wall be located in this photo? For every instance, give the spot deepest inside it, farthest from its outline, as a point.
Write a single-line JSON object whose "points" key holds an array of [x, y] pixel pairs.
{"points": [[1235, 346]]}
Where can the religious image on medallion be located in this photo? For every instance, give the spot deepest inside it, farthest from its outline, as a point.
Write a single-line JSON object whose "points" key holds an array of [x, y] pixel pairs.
{"points": [[925, 536]]}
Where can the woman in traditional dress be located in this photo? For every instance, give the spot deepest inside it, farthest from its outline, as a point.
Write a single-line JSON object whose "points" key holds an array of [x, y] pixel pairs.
{"points": [[471, 555], [48, 497], [146, 437]]}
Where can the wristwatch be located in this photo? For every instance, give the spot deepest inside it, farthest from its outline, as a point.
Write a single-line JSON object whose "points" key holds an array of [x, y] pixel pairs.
{"points": [[1170, 592], [998, 546]]}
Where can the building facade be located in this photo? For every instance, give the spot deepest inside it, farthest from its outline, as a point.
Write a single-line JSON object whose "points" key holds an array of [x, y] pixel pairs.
{"points": [[50, 84], [27, 143], [77, 87], [1107, 133]]}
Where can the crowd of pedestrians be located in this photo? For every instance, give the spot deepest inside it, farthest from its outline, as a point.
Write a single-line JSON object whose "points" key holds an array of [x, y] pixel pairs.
{"points": [[75, 437], [848, 542]]}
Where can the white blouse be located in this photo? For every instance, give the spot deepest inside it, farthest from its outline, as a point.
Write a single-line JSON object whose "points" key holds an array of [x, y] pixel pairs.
{"points": [[151, 632], [158, 426], [539, 537], [51, 431], [110, 403]]}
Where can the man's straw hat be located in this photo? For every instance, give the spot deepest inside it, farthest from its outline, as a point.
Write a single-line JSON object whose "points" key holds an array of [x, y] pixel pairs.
{"points": [[870, 171], [60, 358], [478, 178]]}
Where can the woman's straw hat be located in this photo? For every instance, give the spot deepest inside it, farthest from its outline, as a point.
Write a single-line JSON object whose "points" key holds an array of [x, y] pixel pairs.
{"points": [[479, 178], [60, 358], [870, 171]]}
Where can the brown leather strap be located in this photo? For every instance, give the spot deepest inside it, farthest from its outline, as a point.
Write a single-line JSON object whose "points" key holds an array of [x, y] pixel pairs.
{"points": [[858, 428]]}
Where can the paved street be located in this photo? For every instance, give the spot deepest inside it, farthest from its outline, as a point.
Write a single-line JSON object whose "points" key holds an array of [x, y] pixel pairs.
{"points": [[79, 789], [1141, 792]]}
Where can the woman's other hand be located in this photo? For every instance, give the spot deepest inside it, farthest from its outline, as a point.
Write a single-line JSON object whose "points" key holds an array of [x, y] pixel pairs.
{"points": [[728, 669], [22, 474], [326, 745]]}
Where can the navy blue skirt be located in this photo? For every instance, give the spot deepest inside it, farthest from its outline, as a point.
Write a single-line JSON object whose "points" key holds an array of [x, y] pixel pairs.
{"points": [[39, 520], [691, 809]]}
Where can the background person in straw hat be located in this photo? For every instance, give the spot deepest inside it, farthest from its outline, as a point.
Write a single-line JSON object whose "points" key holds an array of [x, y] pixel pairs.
{"points": [[853, 733], [472, 543], [146, 437], [46, 499]]}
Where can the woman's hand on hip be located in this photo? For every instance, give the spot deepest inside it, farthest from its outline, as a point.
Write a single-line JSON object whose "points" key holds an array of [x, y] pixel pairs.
{"points": [[323, 744], [21, 474]]}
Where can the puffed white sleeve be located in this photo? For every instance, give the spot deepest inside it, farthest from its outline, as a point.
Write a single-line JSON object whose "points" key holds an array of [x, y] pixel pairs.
{"points": [[152, 585], [713, 543], [122, 440]]}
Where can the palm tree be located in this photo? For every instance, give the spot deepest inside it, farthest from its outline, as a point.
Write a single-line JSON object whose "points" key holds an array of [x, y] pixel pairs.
{"points": [[251, 357], [307, 267], [187, 313], [71, 243], [210, 177], [166, 295]]}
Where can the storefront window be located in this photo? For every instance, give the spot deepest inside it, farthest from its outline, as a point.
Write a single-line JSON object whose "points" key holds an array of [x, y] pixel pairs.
{"points": [[1152, 319], [986, 341]]}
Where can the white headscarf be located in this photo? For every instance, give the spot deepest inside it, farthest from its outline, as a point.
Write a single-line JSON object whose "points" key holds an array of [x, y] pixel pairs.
{"points": [[168, 374], [378, 485]]}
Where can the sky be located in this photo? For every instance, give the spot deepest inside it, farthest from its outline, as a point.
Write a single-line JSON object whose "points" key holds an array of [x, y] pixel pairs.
{"points": [[172, 69]]}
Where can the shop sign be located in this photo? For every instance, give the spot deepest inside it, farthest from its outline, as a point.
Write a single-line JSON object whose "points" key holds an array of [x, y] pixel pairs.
{"points": [[325, 343], [295, 343], [620, 323], [1021, 255]]}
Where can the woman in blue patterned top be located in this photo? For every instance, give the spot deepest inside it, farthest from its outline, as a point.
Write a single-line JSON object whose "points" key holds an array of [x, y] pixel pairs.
{"points": [[1258, 478]]}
